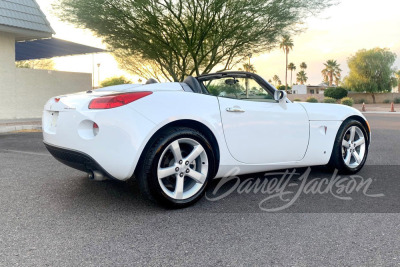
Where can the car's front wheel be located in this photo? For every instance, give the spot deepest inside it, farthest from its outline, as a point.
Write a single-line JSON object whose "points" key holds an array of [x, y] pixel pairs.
{"points": [[176, 168], [351, 147]]}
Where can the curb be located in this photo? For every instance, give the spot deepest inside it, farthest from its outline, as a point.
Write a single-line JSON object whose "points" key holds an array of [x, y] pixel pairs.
{"points": [[15, 128], [381, 112]]}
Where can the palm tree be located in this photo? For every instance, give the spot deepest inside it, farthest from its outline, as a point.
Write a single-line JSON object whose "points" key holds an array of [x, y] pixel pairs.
{"points": [[286, 45], [301, 77], [397, 73], [303, 66], [276, 79], [331, 71], [337, 79], [249, 68], [291, 67]]}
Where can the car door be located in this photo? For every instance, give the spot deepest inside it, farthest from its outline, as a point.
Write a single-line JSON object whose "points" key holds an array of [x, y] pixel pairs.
{"points": [[264, 132]]}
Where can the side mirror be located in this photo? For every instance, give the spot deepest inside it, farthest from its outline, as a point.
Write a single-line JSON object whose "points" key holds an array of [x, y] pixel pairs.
{"points": [[279, 95]]}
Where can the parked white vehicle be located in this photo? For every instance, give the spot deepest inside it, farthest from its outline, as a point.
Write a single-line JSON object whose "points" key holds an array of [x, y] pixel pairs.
{"points": [[175, 137]]}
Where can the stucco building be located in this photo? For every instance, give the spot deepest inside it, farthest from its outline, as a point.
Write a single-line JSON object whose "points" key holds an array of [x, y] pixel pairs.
{"points": [[23, 92]]}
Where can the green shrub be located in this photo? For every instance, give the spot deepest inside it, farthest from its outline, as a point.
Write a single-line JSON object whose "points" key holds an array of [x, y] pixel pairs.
{"points": [[282, 87], [114, 81], [312, 100], [397, 100], [329, 100], [348, 101], [386, 101], [297, 99], [361, 101], [335, 92]]}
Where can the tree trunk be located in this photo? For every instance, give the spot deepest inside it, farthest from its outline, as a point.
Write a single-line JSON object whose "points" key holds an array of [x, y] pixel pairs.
{"points": [[286, 71], [291, 79], [373, 98]]}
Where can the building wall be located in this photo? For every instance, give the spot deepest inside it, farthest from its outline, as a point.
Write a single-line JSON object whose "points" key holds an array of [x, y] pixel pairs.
{"points": [[300, 89], [23, 92], [34, 87]]}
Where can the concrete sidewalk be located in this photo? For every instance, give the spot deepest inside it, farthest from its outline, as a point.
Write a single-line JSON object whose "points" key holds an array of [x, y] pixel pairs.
{"points": [[17, 125]]}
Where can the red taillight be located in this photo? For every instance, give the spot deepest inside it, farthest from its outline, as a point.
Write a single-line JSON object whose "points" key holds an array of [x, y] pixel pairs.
{"points": [[113, 101], [57, 99]]}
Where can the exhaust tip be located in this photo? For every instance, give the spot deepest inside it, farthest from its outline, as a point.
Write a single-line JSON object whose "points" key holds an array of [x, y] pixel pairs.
{"points": [[97, 176]]}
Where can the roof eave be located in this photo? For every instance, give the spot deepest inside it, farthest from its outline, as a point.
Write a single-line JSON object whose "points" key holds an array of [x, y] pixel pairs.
{"points": [[22, 34]]}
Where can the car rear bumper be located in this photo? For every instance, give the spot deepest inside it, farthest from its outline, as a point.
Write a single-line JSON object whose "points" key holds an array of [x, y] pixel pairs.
{"points": [[76, 159], [115, 149]]}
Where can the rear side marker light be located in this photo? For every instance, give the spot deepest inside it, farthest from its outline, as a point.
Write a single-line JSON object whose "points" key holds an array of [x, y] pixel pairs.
{"points": [[117, 100], [95, 129]]}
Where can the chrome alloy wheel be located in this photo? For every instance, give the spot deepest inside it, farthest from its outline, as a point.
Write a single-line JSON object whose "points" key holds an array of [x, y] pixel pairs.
{"points": [[353, 147], [182, 168]]}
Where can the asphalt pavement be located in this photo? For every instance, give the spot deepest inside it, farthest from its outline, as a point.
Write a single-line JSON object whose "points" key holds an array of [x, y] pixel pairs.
{"points": [[52, 215]]}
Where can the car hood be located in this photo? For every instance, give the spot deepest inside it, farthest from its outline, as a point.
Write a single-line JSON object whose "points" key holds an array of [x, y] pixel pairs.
{"points": [[329, 112]]}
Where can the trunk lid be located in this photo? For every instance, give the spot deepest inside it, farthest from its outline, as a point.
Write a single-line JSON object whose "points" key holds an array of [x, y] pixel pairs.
{"points": [[81, 100]]}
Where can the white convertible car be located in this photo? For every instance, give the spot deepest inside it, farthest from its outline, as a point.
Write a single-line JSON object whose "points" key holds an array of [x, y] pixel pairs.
{"points": [[175, 137]]}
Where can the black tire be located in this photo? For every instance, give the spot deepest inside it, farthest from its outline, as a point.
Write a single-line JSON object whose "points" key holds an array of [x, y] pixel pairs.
{"points": [[146, 172], [336, 161]]}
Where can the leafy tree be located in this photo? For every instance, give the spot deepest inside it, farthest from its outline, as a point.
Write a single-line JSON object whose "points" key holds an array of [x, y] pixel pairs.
{"points": [[42, 64], [114, 81], [301, 77], [185, 37], [286, 45], [397, 74], [230, 89], [371, 71], [303, 66], [331, 71], [291, 67], [335, 92]]}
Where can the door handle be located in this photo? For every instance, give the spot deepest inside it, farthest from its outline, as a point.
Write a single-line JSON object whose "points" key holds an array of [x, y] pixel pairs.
{"points": [[235, 109]]}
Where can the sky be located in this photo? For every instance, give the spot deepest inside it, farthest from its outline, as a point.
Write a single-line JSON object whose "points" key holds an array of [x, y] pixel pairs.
{"points": [[337, 33]]}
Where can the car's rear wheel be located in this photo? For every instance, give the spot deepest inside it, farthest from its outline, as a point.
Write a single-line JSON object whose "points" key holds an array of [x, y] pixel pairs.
{"points": [[351, 147], [176, 168]]}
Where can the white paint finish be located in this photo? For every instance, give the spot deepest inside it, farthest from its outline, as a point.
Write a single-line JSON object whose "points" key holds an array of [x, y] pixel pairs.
{"points": [[260, 134], [143, 87], [163, 108], [329, 112], [268, 127], [117, 146]]}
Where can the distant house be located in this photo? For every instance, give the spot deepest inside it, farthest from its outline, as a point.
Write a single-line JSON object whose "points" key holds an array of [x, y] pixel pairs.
{"points": [[24, 91], [303, 89]]}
